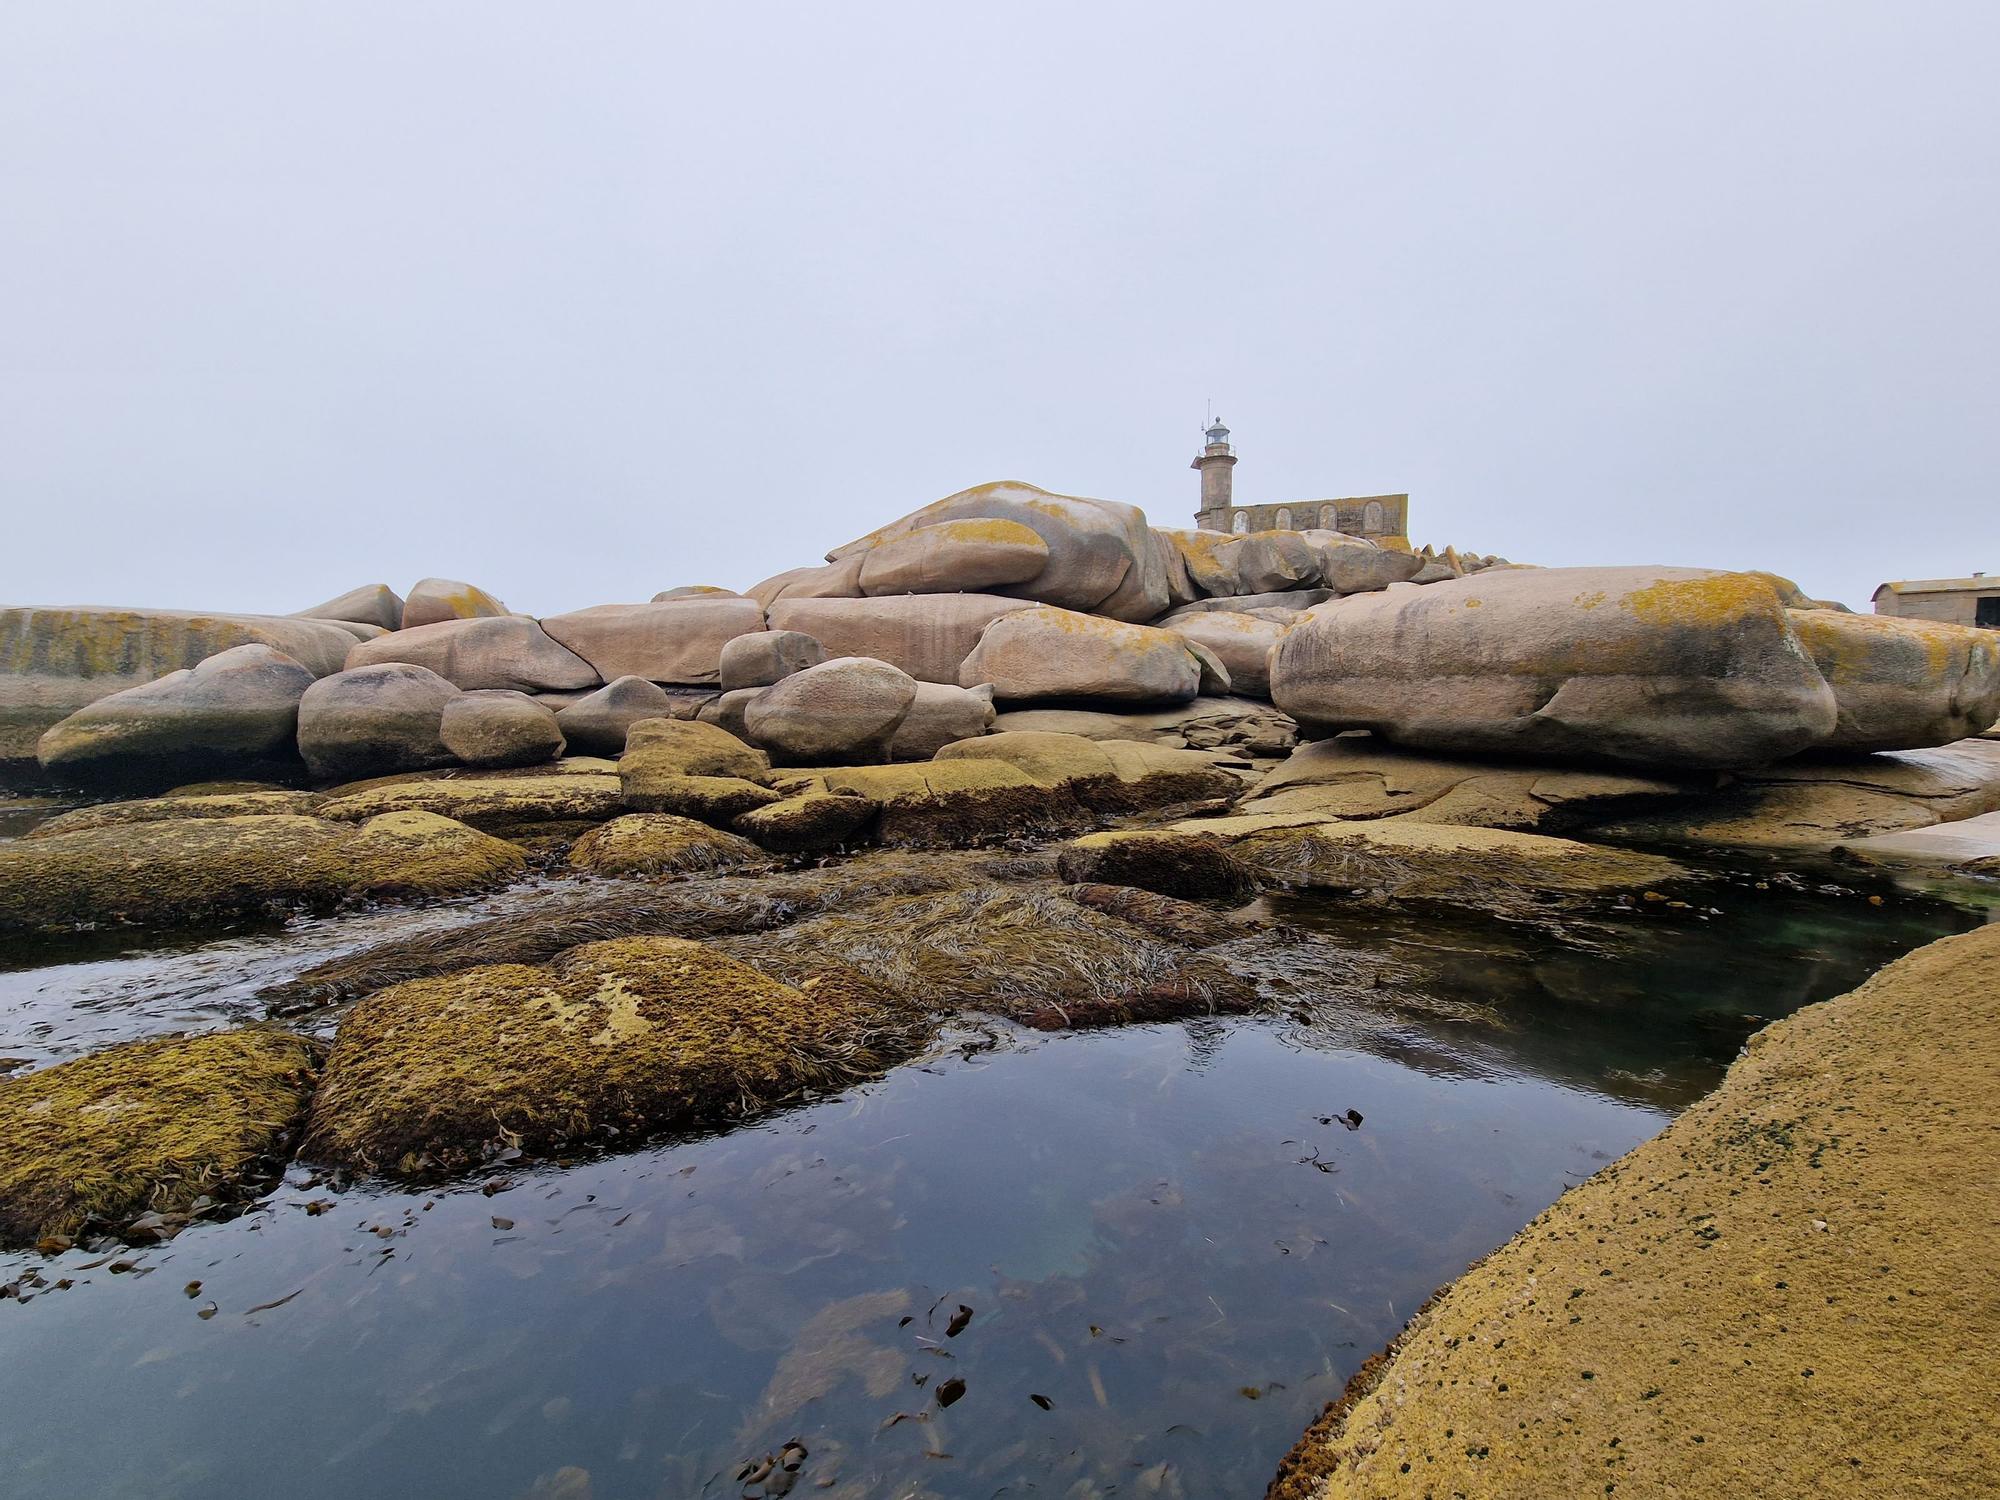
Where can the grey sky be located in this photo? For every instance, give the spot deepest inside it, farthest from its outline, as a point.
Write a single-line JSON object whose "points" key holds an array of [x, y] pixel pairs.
{"points": [[585, 301]]}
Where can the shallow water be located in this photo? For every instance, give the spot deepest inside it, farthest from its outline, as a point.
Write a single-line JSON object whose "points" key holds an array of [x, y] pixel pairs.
{"points": [[1166, 1233]]}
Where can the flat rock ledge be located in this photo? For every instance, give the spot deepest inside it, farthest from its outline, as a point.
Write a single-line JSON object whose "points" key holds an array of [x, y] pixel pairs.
{"points": [[1789, 1291]]}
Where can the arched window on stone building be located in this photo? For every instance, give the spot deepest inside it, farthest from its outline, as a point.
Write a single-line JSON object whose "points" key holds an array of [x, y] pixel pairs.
{"points": [[1374, 519], [1284, 521], [1241, 522], [1329, 518]]}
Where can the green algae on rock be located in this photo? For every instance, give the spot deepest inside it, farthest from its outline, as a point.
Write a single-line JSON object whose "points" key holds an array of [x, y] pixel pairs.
{"points": [[191, 870], [612, 1039], [944, 804], [809, 822], [661, 844], [147, 1127], [490, 804], [1787, 1292], [237, 804], [713, 799]]}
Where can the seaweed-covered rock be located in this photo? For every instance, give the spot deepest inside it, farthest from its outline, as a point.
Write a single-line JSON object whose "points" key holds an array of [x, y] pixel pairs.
{"points": [[845, 709], [661, 844], [147, 1127], [374, 719], [198, 869], [942, 804], [767, 656], [496, 727], [1032, 955], [598, 723], [235, 710], [1902, 684], [686, 747], [1058, 653], [432, 600], [811, 822], [263, 801], [1169, 861], [493, 804], [612, 1040], [713, 799]]}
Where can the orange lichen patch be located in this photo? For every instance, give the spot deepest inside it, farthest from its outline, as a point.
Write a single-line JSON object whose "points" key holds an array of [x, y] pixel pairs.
{"points": [[1847, 646], [1716, 600], [148, 1126], [1789, 1292], [989, 530]]}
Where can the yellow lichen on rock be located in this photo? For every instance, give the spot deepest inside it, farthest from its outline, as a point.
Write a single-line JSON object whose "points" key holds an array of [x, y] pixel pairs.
{"points": [[147, 1126], [661, 844], [488, 803], [1789, 1292]]}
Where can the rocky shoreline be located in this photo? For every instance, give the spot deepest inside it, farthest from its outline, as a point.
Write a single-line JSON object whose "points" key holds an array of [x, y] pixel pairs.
{"points": [[1789, 1291]]}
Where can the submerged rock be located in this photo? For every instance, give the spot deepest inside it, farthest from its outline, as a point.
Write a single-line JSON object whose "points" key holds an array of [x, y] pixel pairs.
{"points": [[147, 1128], [237, 710], [1816, 1236], [611, 1040], [200, 869]]}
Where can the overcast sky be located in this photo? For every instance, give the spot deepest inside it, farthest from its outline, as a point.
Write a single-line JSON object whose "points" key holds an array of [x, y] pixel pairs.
{"points": [[585, 301]]}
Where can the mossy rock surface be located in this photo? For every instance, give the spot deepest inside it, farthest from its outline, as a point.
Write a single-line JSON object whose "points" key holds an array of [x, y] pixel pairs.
{"points": [[488, 803], [955, 804], [1109, 776], [236, 804], [611, 1040], [688, 747], [1171, 862], [713, 799], [192, 870], [147, 1127], [661, 844], [569, 765], [1030, 954], [811, 822]]}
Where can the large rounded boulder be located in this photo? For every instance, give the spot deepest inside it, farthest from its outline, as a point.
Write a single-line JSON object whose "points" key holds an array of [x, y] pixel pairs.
{"points": [[939, 715], [372, 604], [1058, 653], [1648, 666], [495, 727], [927, 635], [232, 712], [432, 600], [841, 710], [374, 720], [954, 557], [1902, 684], [670, 640], [767, 656], [502, 651]]}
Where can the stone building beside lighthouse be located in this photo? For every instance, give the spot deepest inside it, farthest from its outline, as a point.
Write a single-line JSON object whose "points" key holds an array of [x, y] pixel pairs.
{"points": [[1382, 517]]}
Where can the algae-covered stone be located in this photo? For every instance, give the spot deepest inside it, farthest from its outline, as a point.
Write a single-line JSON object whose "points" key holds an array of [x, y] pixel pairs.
{"points": [[191, 870], [612, 1040], [1788, 1292], [1902, 684], [489, 804], [661, 844], [1171, 862], [942, 804], [810, 822], [237, 709], [154, 809], [147, 1127], [686, 747], [713, 799], [1678, 667], [1110, 776]]}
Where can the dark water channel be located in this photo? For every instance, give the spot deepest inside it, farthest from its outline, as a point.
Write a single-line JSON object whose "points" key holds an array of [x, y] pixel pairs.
{"points": [[1132, 1262]]}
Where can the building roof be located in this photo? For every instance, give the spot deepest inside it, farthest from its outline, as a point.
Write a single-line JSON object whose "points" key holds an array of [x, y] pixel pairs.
{"points": [[1977, 583]]}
